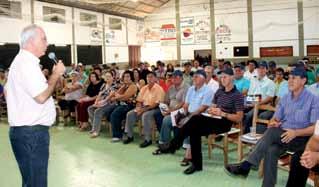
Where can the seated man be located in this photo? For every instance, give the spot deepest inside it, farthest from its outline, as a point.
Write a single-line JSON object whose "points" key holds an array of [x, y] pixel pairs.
{"points": [[198, 99], [304, 161], [147, 105], [314, 88], [263, 86], [175, 98], [242, 84], [290, 128], [228, 105]]}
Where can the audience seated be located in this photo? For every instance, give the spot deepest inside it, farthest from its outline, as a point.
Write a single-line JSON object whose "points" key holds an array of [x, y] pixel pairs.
{"points": [[88, 99], [251, 71], [289, 130], [146, 105], [73, 92], [102, 105], [187, 73], [125, 98], [242, 84]]}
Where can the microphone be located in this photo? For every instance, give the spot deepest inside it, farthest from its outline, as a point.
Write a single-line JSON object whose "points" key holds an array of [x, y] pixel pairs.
{"points": [[52, 56]]}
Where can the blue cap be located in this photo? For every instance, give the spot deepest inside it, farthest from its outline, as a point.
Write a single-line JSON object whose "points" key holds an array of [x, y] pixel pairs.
{"points": [[178, 73], [272, 64], [263, 64], [201, 72], [301, 72]]}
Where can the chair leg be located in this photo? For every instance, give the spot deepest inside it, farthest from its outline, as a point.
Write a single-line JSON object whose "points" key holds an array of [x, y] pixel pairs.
{"points": [[210, 142], [261, 169], [225, 149]]}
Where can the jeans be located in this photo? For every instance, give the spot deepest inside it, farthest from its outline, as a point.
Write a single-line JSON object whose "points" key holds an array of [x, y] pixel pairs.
{"points": [[30, 146], [158, 117], [117, 116], [248, 120], [96, 115]]}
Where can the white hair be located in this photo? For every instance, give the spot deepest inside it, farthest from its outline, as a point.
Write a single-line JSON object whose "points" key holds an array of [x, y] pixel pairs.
{"points": [[28, 33]]}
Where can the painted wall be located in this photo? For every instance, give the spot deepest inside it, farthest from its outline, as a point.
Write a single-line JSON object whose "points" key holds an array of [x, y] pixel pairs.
{"points": [[311, 22]]}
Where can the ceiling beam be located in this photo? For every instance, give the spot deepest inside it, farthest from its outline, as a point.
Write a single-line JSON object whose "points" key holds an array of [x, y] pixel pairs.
{"points": [[91, 8]]}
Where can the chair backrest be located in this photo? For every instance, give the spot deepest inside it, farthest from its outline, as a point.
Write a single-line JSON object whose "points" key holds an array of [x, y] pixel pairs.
{"points": [[259, 107]]}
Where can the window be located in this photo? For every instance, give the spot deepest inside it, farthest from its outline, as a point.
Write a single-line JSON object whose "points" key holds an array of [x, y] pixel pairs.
{"points": [[115, 24], [89, 20], [10, 9], [240, 51], [55, 15]]}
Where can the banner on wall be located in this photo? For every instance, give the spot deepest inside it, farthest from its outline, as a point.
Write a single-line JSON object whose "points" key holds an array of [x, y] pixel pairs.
{"points": [[96, 36], [223, 33], [152, 34], [187, 30], [168, 34], [202, 30]]}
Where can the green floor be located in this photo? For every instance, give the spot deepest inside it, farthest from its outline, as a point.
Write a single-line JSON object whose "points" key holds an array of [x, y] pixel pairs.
{"points": [[78, 161]]}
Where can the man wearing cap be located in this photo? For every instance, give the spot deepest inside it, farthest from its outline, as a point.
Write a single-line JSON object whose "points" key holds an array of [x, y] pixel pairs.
{"points": [[174, 98], [188, 74], [242, 84], [251, 72], [228, 105], [263, 86], [289, 130]]}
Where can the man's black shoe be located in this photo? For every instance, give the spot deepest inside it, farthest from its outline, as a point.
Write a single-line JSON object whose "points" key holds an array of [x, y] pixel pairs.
{"points": [[145, 143], [191, 169], [236, 170], [128, 140]]}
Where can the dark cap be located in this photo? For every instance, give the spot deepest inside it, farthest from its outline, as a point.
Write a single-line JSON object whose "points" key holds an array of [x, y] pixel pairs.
{"points": [[272, 64], [228, 71], [227, 63], [239, 66], [263, 64], [178, 73], [301, 72], [201, 72], [187, 64]]}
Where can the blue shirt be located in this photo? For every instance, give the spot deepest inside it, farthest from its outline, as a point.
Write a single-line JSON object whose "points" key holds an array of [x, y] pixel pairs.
{"points": [[265, 87], [298, 113], [283, 89], [197, 98], [314, 88], [242, 84]]}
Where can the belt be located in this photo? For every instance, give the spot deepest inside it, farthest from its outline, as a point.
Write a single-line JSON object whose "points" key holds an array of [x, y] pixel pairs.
{"points": [[34, 127]]}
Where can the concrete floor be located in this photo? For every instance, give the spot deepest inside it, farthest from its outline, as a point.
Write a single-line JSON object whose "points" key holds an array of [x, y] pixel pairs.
{"points": [[79, 161]]}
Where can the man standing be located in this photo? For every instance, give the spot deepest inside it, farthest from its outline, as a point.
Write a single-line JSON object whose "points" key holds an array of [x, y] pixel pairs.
{"points": [[31, 109]]}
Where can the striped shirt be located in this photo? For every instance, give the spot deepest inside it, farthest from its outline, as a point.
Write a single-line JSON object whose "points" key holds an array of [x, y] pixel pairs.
{"points": [[229, 102], [298, 113]]}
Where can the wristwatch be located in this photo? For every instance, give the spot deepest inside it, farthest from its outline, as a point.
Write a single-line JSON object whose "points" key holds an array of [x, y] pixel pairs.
{"points": [[223, 114]]}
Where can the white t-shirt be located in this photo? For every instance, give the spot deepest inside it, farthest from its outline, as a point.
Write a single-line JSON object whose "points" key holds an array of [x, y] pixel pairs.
{"points": [[25, 82]]}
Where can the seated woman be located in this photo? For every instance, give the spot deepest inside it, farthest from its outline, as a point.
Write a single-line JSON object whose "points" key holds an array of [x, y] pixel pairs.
{"points": [[102, 105], [125, 97], [228, 106], [88, 99], [73, 92], [137, 79]]}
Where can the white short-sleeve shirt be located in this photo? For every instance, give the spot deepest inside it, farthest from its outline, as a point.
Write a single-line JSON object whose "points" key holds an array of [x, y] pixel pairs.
{"points": [[25, 82]]}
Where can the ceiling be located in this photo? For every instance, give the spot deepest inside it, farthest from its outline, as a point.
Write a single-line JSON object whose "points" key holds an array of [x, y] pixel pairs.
{"points": [[128, 8]]}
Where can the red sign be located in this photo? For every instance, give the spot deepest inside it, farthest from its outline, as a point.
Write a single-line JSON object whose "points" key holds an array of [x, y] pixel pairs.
{"points": [[312, 50], [276, 51]]}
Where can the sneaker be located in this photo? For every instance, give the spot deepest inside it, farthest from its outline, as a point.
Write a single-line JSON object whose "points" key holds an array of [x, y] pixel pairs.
{"points": [[236, 170], [128, 140], [115, 140], [145, 143], [94, 134]]}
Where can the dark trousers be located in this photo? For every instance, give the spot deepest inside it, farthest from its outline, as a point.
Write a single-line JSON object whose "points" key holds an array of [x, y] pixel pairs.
{"points": [[117, 116], [298, 174], [68, 105], [269, 148], [158, 120], [30, 146], [195, 128]]}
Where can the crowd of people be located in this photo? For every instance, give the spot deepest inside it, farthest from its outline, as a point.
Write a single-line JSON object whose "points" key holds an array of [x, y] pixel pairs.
{"points": [[220, 88]]}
